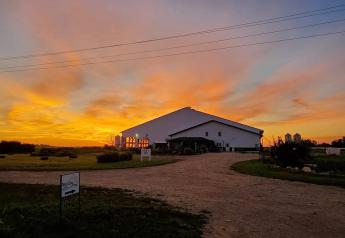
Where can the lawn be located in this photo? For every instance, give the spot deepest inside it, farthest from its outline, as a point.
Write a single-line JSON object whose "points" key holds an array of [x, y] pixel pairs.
{"points": [[33, 211], [259, 168], [333, 163], [83, 162]]}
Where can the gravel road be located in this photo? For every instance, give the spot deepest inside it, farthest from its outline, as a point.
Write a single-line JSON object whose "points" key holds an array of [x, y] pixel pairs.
{"points": [[240, 205]]}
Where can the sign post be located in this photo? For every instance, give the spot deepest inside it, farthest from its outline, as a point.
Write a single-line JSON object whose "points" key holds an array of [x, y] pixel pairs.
{"points": [[145, 153], [69, 185]]}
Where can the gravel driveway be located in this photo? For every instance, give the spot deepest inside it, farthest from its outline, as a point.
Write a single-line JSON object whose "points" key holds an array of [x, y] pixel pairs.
{"points": [[240, 205]]}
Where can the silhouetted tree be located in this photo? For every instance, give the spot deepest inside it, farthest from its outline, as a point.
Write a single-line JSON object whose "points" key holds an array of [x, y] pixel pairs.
{"points": [[324, 145], [339, 142], [310, 143], [291, 153], [12, 147]]}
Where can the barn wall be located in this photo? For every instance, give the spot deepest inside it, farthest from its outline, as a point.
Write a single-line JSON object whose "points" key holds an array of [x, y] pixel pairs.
{"points": [[232, 136]]}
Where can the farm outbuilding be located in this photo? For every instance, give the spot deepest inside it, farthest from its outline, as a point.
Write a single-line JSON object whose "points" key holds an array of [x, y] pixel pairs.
{"points": [[190, 123]]}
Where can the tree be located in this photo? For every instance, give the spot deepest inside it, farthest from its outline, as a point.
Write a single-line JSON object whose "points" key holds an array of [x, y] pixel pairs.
{"points": [[310, 143], [291, 153], [339, 142], [11, 147]]}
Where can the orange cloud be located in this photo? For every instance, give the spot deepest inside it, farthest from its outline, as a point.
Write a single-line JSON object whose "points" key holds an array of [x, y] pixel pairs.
{"points": [[85, 105]]}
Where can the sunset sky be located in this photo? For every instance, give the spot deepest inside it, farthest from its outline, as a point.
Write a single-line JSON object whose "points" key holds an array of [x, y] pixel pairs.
{"points": [[294, 86]]}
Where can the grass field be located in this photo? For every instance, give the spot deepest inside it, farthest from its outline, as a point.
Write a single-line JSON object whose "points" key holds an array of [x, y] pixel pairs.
{"points": [[258, 168], [33, 211], [83, 162]]}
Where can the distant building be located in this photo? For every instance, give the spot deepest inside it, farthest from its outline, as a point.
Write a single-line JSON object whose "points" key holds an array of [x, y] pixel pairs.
{"points": [[288, 138], [117, 141], [297, 138], [190, 123]]}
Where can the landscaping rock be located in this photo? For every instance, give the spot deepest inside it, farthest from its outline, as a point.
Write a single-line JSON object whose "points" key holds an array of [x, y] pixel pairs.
{"points": [[312, 166], [306, 169]]}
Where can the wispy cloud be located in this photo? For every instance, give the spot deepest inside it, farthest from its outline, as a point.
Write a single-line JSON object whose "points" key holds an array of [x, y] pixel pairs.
{"points": [[84, 105]]}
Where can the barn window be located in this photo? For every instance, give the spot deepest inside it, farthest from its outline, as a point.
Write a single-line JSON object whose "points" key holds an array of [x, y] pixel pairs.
{"points": [[130, 142], [219, 133], [206, 133], [144, 143]]}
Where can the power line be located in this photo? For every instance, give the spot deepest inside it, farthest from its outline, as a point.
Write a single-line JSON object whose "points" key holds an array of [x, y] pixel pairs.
{"points": [[243, 25], [188, 52], [176, 47]]}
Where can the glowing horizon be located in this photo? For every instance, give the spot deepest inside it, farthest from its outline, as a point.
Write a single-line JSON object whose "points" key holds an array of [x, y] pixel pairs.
{"points": [[280, 88]]}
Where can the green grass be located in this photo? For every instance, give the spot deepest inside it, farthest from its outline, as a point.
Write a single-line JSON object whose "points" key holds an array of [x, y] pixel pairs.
{"points": [[33, 211], [259, 168], [340, 158], [335, 164], [83, 162]]}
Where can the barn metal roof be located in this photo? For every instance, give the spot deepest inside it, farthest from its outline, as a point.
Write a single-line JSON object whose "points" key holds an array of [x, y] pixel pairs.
{"points": [[186, 118]]}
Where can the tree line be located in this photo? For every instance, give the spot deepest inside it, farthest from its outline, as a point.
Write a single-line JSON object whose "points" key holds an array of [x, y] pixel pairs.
{"points": [[335, 143], [12, 147]]}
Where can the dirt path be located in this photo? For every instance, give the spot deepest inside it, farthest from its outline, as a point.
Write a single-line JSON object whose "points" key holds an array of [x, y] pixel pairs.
{"points": [[241, 205]]}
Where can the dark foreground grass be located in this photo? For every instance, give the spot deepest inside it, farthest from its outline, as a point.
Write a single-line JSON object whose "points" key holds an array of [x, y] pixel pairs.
{"points": [[259, 168], [33, 211]]}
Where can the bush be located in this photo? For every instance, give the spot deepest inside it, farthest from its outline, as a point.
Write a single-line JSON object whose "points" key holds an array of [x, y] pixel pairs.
{"points": [[105, 158], [114, 157], [188, 151], [190, 144], [44, 158], [290, 153], [203, 149], [63, 154], [47, 151], [71, 156], [56, 151], [2, 156], [125, 156]]}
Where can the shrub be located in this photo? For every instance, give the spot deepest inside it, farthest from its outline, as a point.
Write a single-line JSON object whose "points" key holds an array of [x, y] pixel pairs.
{"points": [[290, 153], [125, 156], [203, 149], [2, 156], [63, 154], [106, 158], [114, 157], [44, 158], [47, 151], [191, 144], [72, 156], [188, 151]]}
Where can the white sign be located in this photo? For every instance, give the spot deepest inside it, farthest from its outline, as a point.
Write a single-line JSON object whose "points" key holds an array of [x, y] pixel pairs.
{"points": [[333, 151], [69, 184], [145, 153]]}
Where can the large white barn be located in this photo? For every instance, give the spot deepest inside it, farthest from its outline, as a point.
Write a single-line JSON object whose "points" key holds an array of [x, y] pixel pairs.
{"points": [[188, 122]]}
